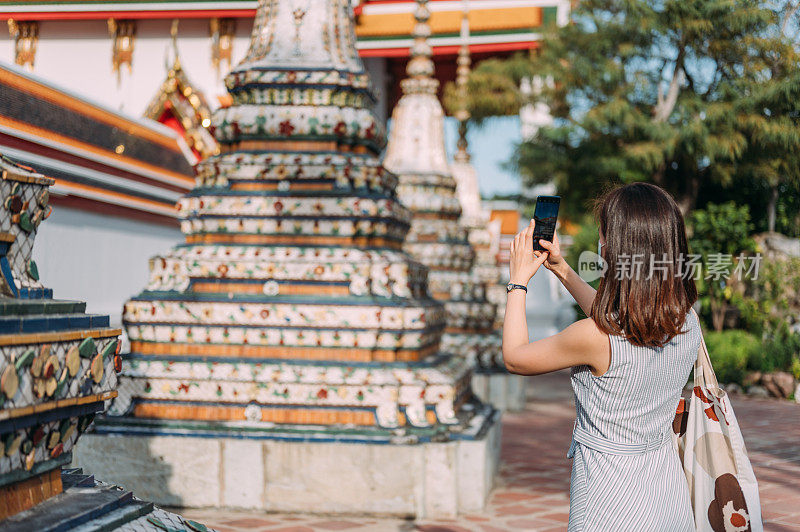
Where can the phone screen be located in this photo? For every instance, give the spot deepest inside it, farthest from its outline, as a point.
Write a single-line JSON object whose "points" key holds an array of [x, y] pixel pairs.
{"points": [[545, 216]]}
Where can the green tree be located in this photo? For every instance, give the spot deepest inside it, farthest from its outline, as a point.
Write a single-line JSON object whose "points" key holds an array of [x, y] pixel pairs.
{"points": [[682, 93]]}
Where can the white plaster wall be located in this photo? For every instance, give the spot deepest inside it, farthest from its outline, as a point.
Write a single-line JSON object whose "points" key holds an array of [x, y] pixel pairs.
{"points": [[102, 260], [76, 55]]}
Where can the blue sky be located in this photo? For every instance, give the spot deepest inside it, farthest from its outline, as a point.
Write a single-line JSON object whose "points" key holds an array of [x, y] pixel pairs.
{"points": [[490, 146]]}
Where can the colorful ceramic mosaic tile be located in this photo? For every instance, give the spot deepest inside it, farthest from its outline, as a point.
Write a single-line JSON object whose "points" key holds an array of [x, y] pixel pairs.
{"points": [[57, 363]]}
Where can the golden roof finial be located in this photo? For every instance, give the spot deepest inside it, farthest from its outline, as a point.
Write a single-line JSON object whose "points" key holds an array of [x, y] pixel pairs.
{"points": [[420, 68], [176, 62], [462, 78]]}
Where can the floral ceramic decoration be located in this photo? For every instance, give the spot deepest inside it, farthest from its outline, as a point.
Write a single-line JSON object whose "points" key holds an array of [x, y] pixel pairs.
{"points": [[58, 365]]}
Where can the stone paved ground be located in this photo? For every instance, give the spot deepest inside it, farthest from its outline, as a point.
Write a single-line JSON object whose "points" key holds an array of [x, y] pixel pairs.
{"points": [[532, 493]]}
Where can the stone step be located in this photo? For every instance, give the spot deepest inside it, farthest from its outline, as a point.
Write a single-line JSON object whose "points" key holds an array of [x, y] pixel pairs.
{"points": [[75, 477], [40, 306], [36, 323], [115, 519], [74, 507]]}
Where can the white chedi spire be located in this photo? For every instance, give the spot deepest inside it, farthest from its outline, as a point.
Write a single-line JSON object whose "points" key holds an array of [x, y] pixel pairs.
{"points": [[416, 140], [416, 153], [467, 190], [303, 34]]}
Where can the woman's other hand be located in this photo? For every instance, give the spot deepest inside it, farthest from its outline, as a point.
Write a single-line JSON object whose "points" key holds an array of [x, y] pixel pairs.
{"points": [[555, 260], [524, 263]]}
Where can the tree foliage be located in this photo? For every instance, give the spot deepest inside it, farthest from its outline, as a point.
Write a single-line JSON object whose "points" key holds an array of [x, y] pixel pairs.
{"points": [[493, 88], [682, 93]]}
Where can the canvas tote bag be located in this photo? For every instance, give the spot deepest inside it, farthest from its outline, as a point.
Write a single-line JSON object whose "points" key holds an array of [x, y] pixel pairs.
{"points": [[722, 485]]}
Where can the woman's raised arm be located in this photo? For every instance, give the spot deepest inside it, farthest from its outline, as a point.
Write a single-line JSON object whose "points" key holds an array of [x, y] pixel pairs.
{"points": [[580, 343]]}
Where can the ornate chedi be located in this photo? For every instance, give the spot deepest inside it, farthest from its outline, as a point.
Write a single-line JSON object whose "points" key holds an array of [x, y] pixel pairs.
{"points": [[56, 362], [58, 367], [416, 154], [491, 381], [291, 326]]}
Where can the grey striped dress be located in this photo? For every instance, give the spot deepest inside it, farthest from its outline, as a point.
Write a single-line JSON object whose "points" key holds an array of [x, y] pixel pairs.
{"points": [[626, 474]]}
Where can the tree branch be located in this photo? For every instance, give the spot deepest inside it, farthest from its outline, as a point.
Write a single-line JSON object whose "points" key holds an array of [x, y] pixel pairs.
{"points": [[791, 9], [666, 104]]}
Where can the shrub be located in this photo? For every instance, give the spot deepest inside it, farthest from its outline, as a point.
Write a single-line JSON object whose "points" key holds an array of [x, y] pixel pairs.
{"points": [[719, 233], [731, 353], [770, 301], [584, 239], [779, 352], [795, 369]]}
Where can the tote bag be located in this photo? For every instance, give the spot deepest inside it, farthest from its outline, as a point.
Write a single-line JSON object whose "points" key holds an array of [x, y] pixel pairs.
{"points": [[722, 485]]}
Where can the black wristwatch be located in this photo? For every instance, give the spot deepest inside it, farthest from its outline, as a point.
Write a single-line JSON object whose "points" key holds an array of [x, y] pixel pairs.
{"points": [[512, 286]]}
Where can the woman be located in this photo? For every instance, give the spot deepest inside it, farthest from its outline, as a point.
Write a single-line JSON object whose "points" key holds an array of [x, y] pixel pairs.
{"points": [[630, 361]]}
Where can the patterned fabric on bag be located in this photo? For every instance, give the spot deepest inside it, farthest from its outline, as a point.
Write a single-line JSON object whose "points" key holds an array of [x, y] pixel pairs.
{"points": [[722, 485]]}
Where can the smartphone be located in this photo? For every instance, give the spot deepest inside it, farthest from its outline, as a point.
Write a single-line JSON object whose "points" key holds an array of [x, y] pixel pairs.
{"points": [[545, 216]]}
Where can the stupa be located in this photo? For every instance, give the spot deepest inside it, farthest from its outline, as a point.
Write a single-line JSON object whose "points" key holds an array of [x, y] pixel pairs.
{"points": [[56, 361], [286, 357], [491, 380], [416, 153], [58, 370]]}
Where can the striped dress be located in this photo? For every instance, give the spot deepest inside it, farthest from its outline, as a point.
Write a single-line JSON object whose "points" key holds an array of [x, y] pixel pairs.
{"points": [[626, 474]]}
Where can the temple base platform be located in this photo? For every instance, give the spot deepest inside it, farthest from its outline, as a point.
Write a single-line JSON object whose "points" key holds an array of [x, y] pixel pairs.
{"points": [[416, 473], [503, 390]]}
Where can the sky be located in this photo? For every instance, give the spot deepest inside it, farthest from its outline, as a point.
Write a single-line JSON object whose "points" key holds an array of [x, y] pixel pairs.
{"points": [[490, 146]]}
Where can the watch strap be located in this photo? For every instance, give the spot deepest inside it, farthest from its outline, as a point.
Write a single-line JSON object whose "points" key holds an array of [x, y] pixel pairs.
{"points": [[513, 286]]}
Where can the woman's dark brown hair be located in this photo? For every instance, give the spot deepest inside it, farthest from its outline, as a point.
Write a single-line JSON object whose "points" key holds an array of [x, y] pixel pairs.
{"points": [[643, 225]]}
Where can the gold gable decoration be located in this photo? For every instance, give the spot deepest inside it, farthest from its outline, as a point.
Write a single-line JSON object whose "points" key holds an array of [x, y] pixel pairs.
{"points": [[178, 97], [26, 37]]}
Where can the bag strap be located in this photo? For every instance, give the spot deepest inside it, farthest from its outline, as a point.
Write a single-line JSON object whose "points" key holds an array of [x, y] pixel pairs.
{"points": [[703, 370]]}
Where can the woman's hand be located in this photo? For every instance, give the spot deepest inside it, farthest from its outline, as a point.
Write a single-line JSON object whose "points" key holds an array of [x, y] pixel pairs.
{"points": [[555, 260], [524, 263]]}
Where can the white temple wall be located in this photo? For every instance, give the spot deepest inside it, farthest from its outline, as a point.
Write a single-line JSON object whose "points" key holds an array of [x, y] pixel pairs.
{"points": [[100, 259], [76, 56]]}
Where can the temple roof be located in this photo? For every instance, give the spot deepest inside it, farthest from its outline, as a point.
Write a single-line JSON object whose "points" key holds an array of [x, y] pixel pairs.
{"points": [[383, 27], [181, 107], [102, 160]]}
